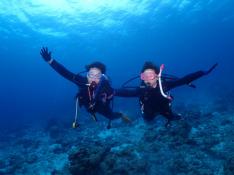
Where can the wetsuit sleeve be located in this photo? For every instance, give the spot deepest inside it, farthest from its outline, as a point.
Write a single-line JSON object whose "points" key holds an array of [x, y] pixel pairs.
{"points": [[107, 88], [184, 80], [127, 92], [77, 79]]}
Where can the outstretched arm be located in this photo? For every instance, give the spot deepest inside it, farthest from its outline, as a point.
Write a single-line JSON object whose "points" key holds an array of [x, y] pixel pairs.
{"points": [[46, 55], [127, 92], [188, 78]]}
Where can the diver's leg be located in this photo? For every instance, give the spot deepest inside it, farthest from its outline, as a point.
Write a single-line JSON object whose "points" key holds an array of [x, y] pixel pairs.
{"points": [[117, 115], [170, 116], [107, 112]]}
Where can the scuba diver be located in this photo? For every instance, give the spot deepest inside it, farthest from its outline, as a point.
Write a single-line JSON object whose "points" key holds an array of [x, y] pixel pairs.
{"points": [[95, 92], [153, 92]]}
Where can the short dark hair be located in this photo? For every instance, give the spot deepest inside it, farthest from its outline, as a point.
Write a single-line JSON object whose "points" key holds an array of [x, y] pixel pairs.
{"points": [[97, 65], [150, 65]]}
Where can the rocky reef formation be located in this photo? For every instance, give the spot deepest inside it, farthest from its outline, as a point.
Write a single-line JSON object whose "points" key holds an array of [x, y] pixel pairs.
{"points": [[200, 144]]}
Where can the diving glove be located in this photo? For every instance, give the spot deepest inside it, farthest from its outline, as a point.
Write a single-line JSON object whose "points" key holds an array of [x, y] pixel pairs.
{"points": [[211, 69], [46, 55]]}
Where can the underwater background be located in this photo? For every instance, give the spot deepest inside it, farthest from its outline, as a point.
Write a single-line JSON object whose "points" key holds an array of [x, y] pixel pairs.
{"points": [[37, 105]]}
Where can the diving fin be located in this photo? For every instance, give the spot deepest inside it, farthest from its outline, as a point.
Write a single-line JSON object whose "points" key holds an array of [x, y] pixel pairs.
{"points": [[126, 119]]}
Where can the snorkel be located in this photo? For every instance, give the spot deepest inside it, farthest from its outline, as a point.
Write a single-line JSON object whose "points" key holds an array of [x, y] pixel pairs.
{"points": [[160, 83]]}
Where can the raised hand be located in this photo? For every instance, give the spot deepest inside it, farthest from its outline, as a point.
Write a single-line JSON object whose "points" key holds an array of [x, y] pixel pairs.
{"points": [[46, 55], [212, 68]]}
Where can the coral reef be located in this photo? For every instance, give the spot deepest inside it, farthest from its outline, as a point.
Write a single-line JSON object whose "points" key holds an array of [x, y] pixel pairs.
{"points": [[200, 144]]}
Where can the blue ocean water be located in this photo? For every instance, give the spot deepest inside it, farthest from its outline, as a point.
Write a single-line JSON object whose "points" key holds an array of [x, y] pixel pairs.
{"points": [[185, 35]]}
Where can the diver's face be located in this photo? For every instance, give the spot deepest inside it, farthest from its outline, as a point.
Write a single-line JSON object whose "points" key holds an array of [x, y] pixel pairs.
{"points": [[94, 75], [149, 77]]}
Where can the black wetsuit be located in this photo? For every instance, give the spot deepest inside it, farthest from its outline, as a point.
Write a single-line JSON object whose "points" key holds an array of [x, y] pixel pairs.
{"points": [[101, 102], [151, 100]]}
